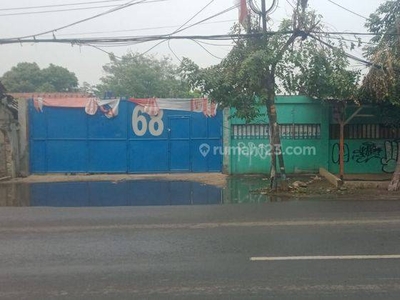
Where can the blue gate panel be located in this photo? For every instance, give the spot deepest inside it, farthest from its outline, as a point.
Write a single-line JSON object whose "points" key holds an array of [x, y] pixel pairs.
{"points": [[199, 162], [38, 156], [199, 128], [179, 131], [68, 140], [66, 123], [179, 127], [203, 158], [67, 156], [107, 156], [37, 123], [180, 158], [215, 126], [101, 127], [150, 156], [214, 158]]}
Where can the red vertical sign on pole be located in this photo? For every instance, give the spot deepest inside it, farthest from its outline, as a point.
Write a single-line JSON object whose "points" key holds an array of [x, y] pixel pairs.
{"points": [[243, 12]]}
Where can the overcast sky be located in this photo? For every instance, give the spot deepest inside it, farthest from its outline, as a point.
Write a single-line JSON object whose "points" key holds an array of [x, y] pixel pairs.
{"points": [[158, 17]]}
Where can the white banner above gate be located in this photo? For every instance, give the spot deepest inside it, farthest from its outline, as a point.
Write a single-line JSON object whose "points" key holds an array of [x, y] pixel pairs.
{"points": [[153, 105]]}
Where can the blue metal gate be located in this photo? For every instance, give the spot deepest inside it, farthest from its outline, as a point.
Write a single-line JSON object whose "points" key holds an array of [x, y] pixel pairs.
{"points": [[67, 140]]}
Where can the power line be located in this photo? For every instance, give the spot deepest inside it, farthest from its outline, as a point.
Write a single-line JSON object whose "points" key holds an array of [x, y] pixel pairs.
{"points": [[104, 51], [348, 10], [179, 29], [290, 4], [140, 29], [123, 6], [209, 18], [354, 41], [363, 61], [173, 52], [114, 39], [206, 49], [195, 24], [214, 44], [96, 42], [105, 40], [353, 33], [55, 11], [66, 9], [58, 5], [148, 50], [194, 16]]}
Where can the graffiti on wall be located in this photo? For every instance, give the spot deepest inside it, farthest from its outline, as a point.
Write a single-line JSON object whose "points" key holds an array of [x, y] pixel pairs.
{"points": [[336, 153], [391, 155], [366, 152], [387, 154]]}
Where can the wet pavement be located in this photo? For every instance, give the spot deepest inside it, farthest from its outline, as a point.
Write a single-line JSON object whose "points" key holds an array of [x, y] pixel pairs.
{"points": [[200, 251], [133, 193], [125, 193]]}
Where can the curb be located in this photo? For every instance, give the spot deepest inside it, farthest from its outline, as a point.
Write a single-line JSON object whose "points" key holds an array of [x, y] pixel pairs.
{"points": [[337, 182], [381, 185]]}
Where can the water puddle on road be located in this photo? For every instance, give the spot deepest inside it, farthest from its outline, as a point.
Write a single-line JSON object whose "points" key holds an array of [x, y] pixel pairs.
{"points": [[131, 193], [247, 189]]}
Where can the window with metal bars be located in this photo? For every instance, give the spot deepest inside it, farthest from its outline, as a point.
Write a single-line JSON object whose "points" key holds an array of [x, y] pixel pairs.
{"points": [[365, 132], [287, 131]]}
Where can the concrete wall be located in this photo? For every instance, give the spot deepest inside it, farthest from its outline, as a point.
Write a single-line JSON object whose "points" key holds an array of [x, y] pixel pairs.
{"points": [[23, 120], [9, 128], [303, 152], [365, 156], [3, 157], [370, 146]]}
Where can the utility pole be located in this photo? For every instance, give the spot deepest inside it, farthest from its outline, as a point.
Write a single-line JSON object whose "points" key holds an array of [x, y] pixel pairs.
{"points": [[263, 12], [275, 141], [264, 16]]}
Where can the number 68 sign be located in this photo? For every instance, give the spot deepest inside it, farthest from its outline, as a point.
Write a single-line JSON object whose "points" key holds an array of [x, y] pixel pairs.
{"points": [[141, 125]]}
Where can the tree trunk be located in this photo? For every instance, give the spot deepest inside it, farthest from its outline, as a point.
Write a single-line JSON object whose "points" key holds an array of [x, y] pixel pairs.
{"points": [[282, 169], [274, 138], [395, 183], [341, 150]]}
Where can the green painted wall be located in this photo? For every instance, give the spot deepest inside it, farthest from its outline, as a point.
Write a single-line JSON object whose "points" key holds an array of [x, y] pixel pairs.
{"points": [[365, 156], [251, 155], [248, 154]]}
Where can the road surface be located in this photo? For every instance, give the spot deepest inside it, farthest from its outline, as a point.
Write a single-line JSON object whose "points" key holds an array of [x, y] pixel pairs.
{"points": [[287, 250]]}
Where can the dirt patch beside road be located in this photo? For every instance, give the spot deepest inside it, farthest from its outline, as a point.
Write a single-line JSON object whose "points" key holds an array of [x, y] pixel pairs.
{"points": [[215, 179], [317, 189]]}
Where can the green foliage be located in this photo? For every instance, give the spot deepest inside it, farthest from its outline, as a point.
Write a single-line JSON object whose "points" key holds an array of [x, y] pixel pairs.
{"points": [[292, 63], [2, 91], [28, 77], [25, 77], [385, 23], [319, 71], [87, 88], [141, 76], [382, 82], [59, 79]]}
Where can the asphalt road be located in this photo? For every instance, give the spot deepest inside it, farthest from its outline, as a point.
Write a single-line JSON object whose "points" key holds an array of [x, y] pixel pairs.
{"points": [[202, 252]]}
